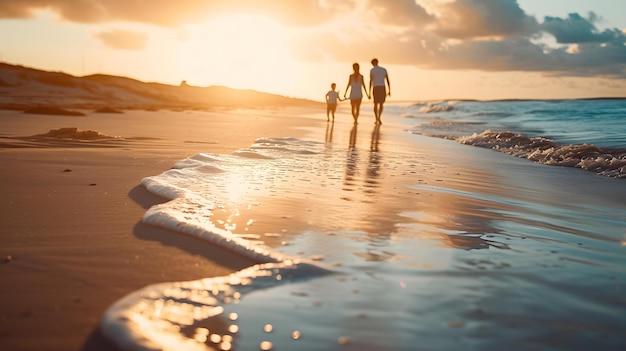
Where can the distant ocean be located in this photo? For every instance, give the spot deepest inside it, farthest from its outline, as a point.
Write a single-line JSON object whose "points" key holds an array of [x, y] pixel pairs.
{"points": [[456, 225]]}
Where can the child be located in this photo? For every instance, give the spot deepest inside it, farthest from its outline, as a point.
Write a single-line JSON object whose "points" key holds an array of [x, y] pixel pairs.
{"points": [[331, 101]]}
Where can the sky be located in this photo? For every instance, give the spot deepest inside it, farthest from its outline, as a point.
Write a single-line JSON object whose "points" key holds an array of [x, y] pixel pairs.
{"points": [[432, 49]]}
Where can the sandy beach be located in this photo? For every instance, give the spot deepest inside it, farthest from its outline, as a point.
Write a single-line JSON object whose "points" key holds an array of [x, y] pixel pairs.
{"points": [[72, 240], [169, 179], [409, 222]]}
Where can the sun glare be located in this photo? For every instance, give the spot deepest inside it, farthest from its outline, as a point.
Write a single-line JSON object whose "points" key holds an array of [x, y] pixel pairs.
{"points": [[239, 51]]}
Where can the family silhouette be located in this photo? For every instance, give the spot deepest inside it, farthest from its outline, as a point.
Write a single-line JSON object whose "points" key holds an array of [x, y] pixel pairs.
{"points": [[379, 88]]}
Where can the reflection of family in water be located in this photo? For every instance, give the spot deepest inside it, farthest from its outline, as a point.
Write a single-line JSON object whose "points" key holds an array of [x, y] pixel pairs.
{"points": [[372, 173], [353, 152], [365, 178], [356, 85]]}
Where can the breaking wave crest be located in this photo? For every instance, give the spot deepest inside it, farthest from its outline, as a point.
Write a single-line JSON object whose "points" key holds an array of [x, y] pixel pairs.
{"points": [[609, 163], [434, 107]]}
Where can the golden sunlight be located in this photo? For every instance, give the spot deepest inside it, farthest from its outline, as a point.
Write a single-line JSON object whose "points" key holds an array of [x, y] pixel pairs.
{"points": [[239, 51]]}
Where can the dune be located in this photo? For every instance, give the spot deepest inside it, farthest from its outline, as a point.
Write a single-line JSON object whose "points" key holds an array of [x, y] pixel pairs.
{"points": [[24, 88]]}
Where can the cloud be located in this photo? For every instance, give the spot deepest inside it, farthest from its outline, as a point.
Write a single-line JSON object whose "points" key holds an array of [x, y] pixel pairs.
{"points": [[484, 35], [467, 19], [167, 12], [124, 40], [512, 48], [16, 9], [158, 12], [577, 29], [400, 12]]}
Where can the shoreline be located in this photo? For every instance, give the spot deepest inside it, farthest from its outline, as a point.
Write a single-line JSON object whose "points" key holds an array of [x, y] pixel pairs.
{"points": [[73, 242], [74, 208]]}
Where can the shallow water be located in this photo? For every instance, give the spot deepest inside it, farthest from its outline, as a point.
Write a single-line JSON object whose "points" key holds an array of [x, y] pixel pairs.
{"points": [[370, 238]]}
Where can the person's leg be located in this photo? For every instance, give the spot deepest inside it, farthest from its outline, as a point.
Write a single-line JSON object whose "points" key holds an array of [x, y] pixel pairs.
{"points": [[380, 93], [358, 110], [379, 99]]}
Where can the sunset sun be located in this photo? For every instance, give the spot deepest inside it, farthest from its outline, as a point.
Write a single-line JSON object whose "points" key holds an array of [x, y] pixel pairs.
{"points": [[235, 50]]}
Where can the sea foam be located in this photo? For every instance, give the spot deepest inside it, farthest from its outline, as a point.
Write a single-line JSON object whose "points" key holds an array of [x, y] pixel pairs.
{"points": [[387, 243], [545, 151], [159, 316]]}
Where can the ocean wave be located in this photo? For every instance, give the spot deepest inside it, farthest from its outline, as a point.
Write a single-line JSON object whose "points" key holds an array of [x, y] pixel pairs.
{"points": [[177, 316], [447, 129], [291, 146], [609, 163], [434, 107], [493, 114]]}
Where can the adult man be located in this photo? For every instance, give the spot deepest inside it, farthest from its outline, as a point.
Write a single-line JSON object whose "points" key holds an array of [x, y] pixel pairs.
{"points": [[378, 76]]}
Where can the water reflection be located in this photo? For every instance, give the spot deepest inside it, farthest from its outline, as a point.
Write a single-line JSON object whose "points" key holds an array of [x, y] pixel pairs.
{"points": [[373, 168], [352, 160], [382, 209], [329, 131], [368, 186], [374, 161]]}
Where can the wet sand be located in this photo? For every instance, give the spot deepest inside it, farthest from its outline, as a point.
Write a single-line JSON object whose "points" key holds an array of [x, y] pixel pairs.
{"points": [[72, 241]]}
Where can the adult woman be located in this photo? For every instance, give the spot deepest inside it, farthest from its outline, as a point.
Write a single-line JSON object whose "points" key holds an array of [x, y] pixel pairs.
{"points": [[356, 83]]}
